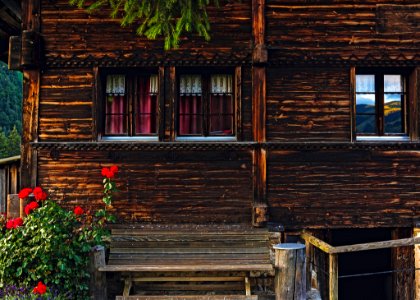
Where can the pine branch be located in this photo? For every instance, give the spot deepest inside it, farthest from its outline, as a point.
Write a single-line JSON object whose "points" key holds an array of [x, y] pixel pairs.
{"points": [[169, 19]]}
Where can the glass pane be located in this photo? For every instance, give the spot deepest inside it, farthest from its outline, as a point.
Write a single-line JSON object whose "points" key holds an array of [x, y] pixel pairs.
{"points": [[190, 115], [146, 106], [221, 125], [365, 83], [365, 104], [365, 124], [392, 83], [392, 113], [116, 115]]}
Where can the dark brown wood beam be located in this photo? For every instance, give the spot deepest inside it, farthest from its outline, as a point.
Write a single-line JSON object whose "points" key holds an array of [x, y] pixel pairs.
{"points": [[31, 82], [13, 6], [260, 211]]}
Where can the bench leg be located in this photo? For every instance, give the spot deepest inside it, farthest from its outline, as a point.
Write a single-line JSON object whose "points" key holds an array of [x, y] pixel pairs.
{"points": [[127, 287], [247, 287]]}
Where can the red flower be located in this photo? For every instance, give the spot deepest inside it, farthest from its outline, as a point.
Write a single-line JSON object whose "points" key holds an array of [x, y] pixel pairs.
{"points": [[109, 172], [24, 193], [40, 288], [30, 207], [14, 223], [78, 211], [9, 224], [39, 194]]}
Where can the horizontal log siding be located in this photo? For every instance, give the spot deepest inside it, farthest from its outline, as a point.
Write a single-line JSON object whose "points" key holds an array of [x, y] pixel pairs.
{"points": [[308, 104], [69, 31], [322, 28], [168, 187], [344, 189], [65, 109]]}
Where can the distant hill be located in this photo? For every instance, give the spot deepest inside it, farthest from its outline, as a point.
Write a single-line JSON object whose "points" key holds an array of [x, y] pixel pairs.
{"points": [[392, 112], [10, 99]]}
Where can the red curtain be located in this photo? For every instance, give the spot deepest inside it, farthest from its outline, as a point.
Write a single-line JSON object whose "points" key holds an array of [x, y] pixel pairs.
{"points": [[221, 115], [116, 114], [190, 115], [146, 108]]}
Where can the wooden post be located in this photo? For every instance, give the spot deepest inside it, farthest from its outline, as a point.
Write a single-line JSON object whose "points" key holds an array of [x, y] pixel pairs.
{"points": [[309, 251], [13, 206], [333, 273], [290, 278], [417, 264], [97, 288]]}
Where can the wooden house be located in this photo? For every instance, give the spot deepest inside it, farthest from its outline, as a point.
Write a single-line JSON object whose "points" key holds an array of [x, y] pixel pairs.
{"points": [[299, 114]]}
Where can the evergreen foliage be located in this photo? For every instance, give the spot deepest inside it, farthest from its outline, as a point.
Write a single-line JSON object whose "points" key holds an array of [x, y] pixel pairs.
{"points": [[167, 18], [10, 111]]}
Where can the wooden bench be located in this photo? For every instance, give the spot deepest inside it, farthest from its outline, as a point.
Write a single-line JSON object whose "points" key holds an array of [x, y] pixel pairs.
{"points": [[202, 250]]}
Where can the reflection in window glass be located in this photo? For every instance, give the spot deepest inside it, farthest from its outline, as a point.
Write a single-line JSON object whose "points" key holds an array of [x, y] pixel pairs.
{"points": [[365, 104], [393, 95]]}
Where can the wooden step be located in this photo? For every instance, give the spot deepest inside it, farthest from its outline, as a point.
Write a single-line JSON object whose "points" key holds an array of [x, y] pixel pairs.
{"points": [[190, 297]]}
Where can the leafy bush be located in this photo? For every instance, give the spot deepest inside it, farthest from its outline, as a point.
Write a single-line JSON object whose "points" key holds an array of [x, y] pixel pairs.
{"points": [[52, 244]]}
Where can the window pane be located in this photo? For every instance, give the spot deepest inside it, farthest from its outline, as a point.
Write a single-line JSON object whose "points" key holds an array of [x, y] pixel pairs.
{"points": [[190, 115], [392, 113], [365, 104], [116, 115], [365, 83], [221, 115], [146, 106], [365, 124], [392, 83]]}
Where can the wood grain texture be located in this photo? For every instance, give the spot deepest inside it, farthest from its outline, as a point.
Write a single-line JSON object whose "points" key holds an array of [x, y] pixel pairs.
{"points": [[320, 29], [343, 188], [308, 104], [169, 187], [69, 31], [65, 111]]}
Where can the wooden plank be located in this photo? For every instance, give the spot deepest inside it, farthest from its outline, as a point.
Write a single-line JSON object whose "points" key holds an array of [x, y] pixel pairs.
{"points": [[353, 103], [13, 206], [190, 297], [377, 245], [189, 250], [318, 243], [187, 268], [333, 277], [189, 278], [414, 103], [416, 233]]}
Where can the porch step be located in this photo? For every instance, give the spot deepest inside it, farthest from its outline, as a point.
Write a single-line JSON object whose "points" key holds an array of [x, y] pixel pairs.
{"points": [[190, 297]]}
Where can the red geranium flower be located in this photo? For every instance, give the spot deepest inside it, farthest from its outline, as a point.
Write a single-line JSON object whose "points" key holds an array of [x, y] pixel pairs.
{"points": [[30, 207], [24, 193], [14, 223], [78, 211], [40, 288], [109, 172], [39, 194], [9, 224]]}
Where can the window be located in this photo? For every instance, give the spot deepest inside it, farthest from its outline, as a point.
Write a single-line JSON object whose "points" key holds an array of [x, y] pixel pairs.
{"points": [[206, 105], [131, 105], [381, 103]]}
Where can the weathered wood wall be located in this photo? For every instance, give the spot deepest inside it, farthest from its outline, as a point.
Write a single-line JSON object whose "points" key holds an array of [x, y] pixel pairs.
{"points": [[322, 30], [169, 187], [298, 157], [343, 188], [308, 104]]}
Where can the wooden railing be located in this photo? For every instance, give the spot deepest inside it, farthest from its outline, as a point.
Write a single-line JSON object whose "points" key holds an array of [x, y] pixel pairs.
{"points": [[333, 252], [9, 179]]}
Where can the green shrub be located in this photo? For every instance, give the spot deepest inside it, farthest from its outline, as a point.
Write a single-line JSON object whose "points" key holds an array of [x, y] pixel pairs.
{"points": [[52, 244]]}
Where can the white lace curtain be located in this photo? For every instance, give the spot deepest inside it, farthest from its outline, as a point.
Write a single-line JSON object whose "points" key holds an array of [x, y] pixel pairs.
{"points": [[221, 84], [190, 85], [154, 85], [115, 85], [365, 83]]}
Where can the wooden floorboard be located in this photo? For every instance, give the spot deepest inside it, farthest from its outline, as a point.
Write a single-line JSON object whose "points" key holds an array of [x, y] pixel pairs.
{"points": [[190, 297]]}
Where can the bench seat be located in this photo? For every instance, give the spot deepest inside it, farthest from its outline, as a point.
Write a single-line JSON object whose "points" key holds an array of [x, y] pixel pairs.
{"points": [[134, 251]]}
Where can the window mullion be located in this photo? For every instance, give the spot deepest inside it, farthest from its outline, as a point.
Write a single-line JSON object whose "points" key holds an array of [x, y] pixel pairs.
{"points": [[131, 100], [206, 104], [380, 99]]}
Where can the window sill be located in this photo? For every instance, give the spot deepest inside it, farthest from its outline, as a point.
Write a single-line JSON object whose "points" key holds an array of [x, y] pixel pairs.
{"points": [[129, 139], [368, 138], [206, 139]]}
